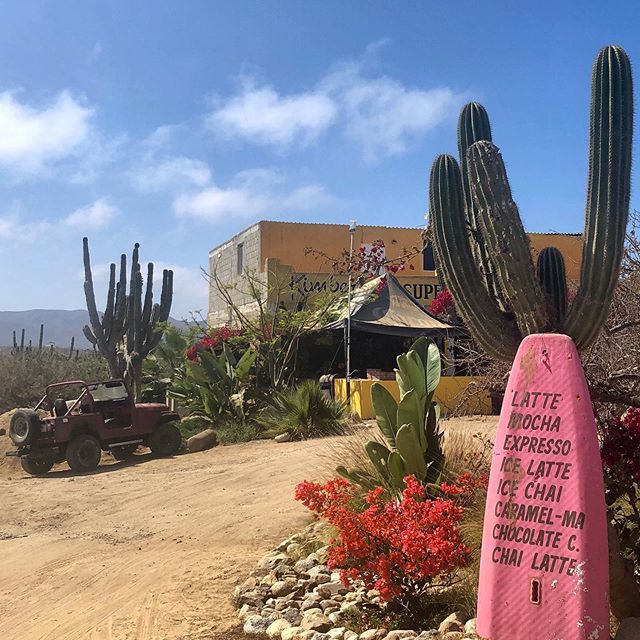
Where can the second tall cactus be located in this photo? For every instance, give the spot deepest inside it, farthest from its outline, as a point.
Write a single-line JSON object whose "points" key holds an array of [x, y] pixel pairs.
{"points": [[480, 243]]}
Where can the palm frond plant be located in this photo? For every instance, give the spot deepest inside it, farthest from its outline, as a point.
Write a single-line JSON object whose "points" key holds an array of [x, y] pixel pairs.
{"points": [[303, 412]]}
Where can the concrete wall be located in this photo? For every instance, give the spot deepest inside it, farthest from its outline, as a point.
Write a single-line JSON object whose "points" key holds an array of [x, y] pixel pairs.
{"points": [[223, 261]]}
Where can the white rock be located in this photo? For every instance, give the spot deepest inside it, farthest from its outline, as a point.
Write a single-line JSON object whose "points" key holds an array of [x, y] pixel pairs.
{"points": [[275, 629], [350, 635], [283, 437], [318, 622], [373, 634], [338, 632], [334, 616], [470, 626], [629, 629], [256, 624], [290, 632], [400, 634], [282, 588], [246, 611], [453, 622]]}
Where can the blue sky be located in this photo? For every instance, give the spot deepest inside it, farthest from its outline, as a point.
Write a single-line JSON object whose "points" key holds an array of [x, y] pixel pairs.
{"points": [[176, 124]]}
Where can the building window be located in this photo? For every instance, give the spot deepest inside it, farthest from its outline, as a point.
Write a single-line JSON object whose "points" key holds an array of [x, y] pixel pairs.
{"points": [[240, 258], [428, 261]]}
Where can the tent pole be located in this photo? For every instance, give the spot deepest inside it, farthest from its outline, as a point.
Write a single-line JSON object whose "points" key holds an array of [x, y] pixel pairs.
{"points": [[352, 231]]}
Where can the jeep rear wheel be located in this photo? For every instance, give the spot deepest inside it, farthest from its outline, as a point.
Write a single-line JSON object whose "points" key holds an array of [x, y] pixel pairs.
{"points": [[36, 466], [166, 440], [83, 453], [24, 426], [123, 452]]}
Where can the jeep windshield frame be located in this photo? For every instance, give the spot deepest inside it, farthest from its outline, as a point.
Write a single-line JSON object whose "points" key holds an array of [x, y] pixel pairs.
{"points": [[47, 400]]}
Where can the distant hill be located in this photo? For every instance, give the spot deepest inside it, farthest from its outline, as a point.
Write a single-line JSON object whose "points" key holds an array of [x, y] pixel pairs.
{"points": [[59, 326]]}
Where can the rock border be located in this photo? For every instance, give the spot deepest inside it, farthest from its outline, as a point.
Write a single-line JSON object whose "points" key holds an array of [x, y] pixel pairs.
{"points": [[295, 596]]}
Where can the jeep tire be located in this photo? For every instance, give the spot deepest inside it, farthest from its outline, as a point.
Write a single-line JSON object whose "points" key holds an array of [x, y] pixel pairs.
{"points": [[123, 452], [83, 453], [24, 426], [166, 440], [36, 466]]}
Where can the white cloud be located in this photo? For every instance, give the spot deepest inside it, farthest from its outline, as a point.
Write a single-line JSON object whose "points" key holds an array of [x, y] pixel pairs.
{"points": [[97, 215], [260, 114], [32, 138], [251, 194], [177, 171], [381, 114], [384, 116]]}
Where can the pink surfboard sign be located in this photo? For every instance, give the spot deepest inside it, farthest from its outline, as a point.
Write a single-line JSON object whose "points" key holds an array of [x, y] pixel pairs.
{"points": [[544, 570]]}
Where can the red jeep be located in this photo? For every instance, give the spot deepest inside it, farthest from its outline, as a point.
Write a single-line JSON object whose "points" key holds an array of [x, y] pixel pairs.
{"points": [[103, 417]]}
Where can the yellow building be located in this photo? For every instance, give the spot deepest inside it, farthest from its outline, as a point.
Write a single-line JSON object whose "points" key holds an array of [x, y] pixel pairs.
{"points": [[277, 252], [278, 255]]}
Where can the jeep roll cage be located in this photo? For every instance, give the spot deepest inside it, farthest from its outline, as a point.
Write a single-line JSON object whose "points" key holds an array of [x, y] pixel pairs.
{"points": [[48, 402]]}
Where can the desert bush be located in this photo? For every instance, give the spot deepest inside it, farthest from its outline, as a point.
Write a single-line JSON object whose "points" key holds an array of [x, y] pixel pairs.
{"points": [[303, 412], [24, 375]]}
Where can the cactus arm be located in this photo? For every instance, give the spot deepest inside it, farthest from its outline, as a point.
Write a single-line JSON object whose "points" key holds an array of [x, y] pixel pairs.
{"points": [[607, 210], [473, 126], [507, 242], [90, 296], [495, 332], [107, 318], [551, 276]]}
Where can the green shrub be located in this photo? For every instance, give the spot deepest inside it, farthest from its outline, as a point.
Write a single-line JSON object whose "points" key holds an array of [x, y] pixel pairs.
{"points": [[231, 431], [24, 375], [303, 412]]}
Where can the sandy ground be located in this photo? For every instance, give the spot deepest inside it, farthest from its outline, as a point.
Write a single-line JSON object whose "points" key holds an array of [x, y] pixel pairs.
{"points": [[150, 549]]}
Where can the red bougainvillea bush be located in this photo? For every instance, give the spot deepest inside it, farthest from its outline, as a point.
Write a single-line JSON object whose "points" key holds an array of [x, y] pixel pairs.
{"points": [[213, 340], [399, 546], [442, 305], [620, 451]]}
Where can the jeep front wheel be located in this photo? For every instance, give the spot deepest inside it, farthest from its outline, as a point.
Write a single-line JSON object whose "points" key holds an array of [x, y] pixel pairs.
{"points": [[83, 453], [166, 440], [36, 466]]}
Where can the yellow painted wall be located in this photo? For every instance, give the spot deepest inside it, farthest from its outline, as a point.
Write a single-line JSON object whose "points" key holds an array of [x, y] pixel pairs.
{"points": [[448, 395], [287, 241]]}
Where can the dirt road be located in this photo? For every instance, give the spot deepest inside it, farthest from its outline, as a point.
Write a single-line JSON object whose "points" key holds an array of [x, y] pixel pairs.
{"points": [[143, 551]]}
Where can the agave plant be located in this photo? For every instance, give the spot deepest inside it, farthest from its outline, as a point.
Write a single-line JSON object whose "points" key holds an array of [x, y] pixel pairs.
{"points": [[409, 427], [303, 412]]}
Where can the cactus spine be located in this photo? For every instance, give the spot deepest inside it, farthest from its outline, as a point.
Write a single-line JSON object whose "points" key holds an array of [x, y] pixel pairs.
{"points": [[553, 283], [487, 307], [130, 328]]}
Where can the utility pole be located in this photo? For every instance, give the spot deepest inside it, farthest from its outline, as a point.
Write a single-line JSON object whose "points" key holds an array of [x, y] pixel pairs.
{"points": [[352, 232]]}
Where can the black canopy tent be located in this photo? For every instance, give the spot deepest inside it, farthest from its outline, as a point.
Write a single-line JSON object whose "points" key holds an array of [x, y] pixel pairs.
{"points": [[386, 307]]}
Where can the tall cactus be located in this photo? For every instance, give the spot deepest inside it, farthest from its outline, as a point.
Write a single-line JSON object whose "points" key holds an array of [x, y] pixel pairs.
{"points": [[144, 317], [553, 283], [106, 333], [130, 328], [499, 313]]}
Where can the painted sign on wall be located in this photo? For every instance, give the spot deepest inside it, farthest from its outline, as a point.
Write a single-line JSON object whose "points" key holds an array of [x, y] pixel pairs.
{"points": [[544, 564]]}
